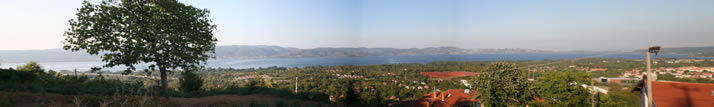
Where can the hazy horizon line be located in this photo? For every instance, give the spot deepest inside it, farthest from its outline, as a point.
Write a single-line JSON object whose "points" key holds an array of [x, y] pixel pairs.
{"points": [[400, 48]]}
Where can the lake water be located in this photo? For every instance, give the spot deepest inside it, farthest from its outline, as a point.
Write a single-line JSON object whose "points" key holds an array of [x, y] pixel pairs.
{"points": [[362, 60]]}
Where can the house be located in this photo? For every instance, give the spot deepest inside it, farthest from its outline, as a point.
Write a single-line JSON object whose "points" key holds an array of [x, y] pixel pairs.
{"points": [[448, 98], [582, 69], [447, 74], [632, 73], [613, 80], [677, 94], [706, 75], [393, 98], [695, 68], [333, 70], [597, 69]]}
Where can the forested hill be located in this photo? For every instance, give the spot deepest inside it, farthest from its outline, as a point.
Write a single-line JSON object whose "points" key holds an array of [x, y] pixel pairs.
{"points": [[263, 51], [258, 51], [688, 51], [46, 55], [240, 51]]}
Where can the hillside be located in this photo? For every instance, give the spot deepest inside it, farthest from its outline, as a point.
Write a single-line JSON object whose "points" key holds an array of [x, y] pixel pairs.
{"points": [[242, 51], [688, 51], [257, 52], [46, 55], [692, 51], [265, 51]]}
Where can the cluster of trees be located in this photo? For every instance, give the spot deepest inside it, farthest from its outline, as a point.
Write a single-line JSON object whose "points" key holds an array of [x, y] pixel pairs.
{"points": [[376, 84], [498, 84], [671, 77], [615, 67], [166, 34], [139, 91], [564, 89], [371, 84], [32, 78], [190, 81], [504, 84]]}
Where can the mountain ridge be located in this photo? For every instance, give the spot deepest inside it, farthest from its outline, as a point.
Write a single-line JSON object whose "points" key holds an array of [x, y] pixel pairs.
{"points": [[270, 51], [260, 52], [702, 51], [290, 52]]}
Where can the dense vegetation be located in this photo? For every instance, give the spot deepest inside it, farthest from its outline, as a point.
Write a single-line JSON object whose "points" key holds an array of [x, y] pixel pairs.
{"points": [[166, 34], [673, 78], [503, 84], [368, 84], [32, 78], [563, 89]]}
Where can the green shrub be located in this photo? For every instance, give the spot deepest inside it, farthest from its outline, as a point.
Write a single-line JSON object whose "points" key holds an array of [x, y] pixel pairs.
{"points": [[190, 82], [17, 76], [254, 103], [281, 104], [31, 66], [93, 101]]}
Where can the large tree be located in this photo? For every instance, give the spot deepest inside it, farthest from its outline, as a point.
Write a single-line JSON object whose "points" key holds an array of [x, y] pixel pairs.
{"points": [[165, 34], [503, 84], [564, 89]]}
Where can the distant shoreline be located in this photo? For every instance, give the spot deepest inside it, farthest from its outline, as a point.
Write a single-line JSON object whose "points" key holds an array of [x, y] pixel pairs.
{"points": [[358, 60]]}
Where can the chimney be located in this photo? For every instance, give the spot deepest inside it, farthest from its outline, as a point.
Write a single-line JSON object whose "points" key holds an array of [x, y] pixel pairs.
{"points": [[443, 95]]}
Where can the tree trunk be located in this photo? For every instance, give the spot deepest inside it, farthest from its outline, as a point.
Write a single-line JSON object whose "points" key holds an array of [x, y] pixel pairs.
{"points": [[164, 83]]}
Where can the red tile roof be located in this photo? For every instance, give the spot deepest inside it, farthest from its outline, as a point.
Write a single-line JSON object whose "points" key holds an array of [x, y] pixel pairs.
{"points": [[682, 94], [448, 98]]}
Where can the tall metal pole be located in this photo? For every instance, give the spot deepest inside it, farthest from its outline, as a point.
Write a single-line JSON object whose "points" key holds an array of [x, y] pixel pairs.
{"points": [[296, 84], [592, 89], [650, 77]]}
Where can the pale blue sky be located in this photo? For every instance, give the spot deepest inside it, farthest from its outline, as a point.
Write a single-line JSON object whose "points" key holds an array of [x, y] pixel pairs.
{"points": [[474, 24]]}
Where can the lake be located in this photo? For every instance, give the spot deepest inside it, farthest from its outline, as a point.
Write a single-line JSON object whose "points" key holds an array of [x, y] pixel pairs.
{"points": [[361, 60]]}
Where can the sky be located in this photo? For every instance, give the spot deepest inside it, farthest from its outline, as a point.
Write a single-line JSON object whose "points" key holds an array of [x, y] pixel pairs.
{"points": [[472, 24]]}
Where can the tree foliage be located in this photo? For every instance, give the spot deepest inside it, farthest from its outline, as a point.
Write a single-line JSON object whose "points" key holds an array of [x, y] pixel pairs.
{"points": [[563, 89], [351, 97], [318, 83], [190, 82], [31, 66], [165, 34], [619, 96], [670, 77], [503, 84]]}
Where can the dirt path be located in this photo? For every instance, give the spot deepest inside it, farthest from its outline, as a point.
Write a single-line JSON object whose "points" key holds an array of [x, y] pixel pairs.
{"points": [[26, 99], [243, 101]]}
